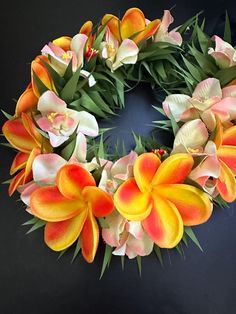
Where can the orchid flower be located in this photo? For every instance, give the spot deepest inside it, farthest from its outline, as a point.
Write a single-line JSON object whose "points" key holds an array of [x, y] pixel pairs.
{"points": [[70, 208], [172, 37], [207, 101], [158, 197], [128, 237], [133, 25], [216, 172], [224, 54], [61, 122], [22, 134], [116, 55]]}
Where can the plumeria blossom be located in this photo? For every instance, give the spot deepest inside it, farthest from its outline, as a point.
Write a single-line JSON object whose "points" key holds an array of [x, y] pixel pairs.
{"points": [[133, 25], [216, 172], [22, 134], [128, 237], [224, 54], [61, 122], [208, 101], [158, 197], [115, 173], [162, 34], [117, 54], [70, 208]]}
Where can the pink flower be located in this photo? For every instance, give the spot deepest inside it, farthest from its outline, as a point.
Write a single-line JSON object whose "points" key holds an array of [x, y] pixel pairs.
{"points": [[60, 122], [207, 101], [224, 54], [128, 237], [172, 37]]}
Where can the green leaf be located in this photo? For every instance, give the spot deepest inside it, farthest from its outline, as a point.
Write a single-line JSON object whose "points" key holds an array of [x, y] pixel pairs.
{"points": [[139, 263], [99, 37], [69, 71], [227, 31], [68, 150], [226, 75], [42, 88], [190, 233], [7, 115], [194, 70], [101, 150], [68, 91], [174, 124], [157, 251], [6, 181], [184, 239], [77, 250], [58, 81], [179, 250], [61, 253], [87, 102], [30, 222], [106, 259], [40, 223], [96, 97], [103, 223], [139, 148], [122, 258]]}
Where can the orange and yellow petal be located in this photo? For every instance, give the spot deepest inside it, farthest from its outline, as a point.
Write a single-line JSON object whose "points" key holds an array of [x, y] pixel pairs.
{"points": [[131, 202], [164, 225], [63, 42], [17, 135], [28, 168], [101, 203], [145, 167], [71, 179], [90, 238], [229, 136], [132, 22], [149, 30], [226, 184], [193, 204], [42, 74], [19, 162], [228, 155], [86, 28], [62, 234], [27, 101], [114, 25], [218, 138], [16, 181], [174, 169], [31, 128], [49, 204]]}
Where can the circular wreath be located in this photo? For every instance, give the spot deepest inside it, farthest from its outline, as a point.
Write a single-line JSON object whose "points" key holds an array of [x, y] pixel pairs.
{"points": [[146, 199]]}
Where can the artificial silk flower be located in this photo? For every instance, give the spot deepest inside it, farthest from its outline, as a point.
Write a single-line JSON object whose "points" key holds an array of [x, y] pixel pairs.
{"points": [[162, 34], [208, 101], [133, 25], [70, 208], [63, 42], [224, 54], [216, 172], [158, 197], [116, 55], [128, 237], [114, 174], [191, 138], [22, 134], [61, 122], [27, 101]]}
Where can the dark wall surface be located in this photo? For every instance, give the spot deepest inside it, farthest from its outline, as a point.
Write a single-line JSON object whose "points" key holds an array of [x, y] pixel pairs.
{"points": [[32, 280]]}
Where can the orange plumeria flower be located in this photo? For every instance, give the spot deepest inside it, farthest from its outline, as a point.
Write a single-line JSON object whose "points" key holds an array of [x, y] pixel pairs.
{"points": [[22, 134], [157, 197], [70, 209], [133, 24]]}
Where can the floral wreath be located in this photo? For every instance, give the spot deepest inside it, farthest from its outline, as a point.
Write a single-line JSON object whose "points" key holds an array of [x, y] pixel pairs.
{"points": [[147, 199]]}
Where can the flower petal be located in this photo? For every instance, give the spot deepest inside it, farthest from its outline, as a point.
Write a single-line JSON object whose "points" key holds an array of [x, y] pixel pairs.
{"points": [[28, 168], [149, 30], [228, 155], [46, 166], [16, 181], [80, 150], [123, 167], [141, 247], [226, 184], [100, 201], [27, 101], [131, 202], [191, 137], [77, 45], [17, 135], [132, 22], [145, 167], [229, 136], [208, 89], [19, 162], [49, 204], [113, 24], [87, 124], [174, 169], [39, 69], [71, 179], [126, 54], [116, 224], [90, 238], [86, 28], [63, 42], [62, 234], [164, 224], [193, 205], [177, 105], [50, 102]]}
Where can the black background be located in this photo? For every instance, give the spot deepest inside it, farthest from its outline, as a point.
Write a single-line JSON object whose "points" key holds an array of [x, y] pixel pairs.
{"points": [[31, 278]]}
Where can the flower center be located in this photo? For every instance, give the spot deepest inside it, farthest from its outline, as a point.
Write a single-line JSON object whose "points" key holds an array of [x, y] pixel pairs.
{"points": [[111, 50], [60, 121], [66, 55]]}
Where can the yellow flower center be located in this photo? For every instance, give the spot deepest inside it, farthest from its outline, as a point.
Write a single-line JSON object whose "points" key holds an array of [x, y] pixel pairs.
{"points": [[66, 55]]}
